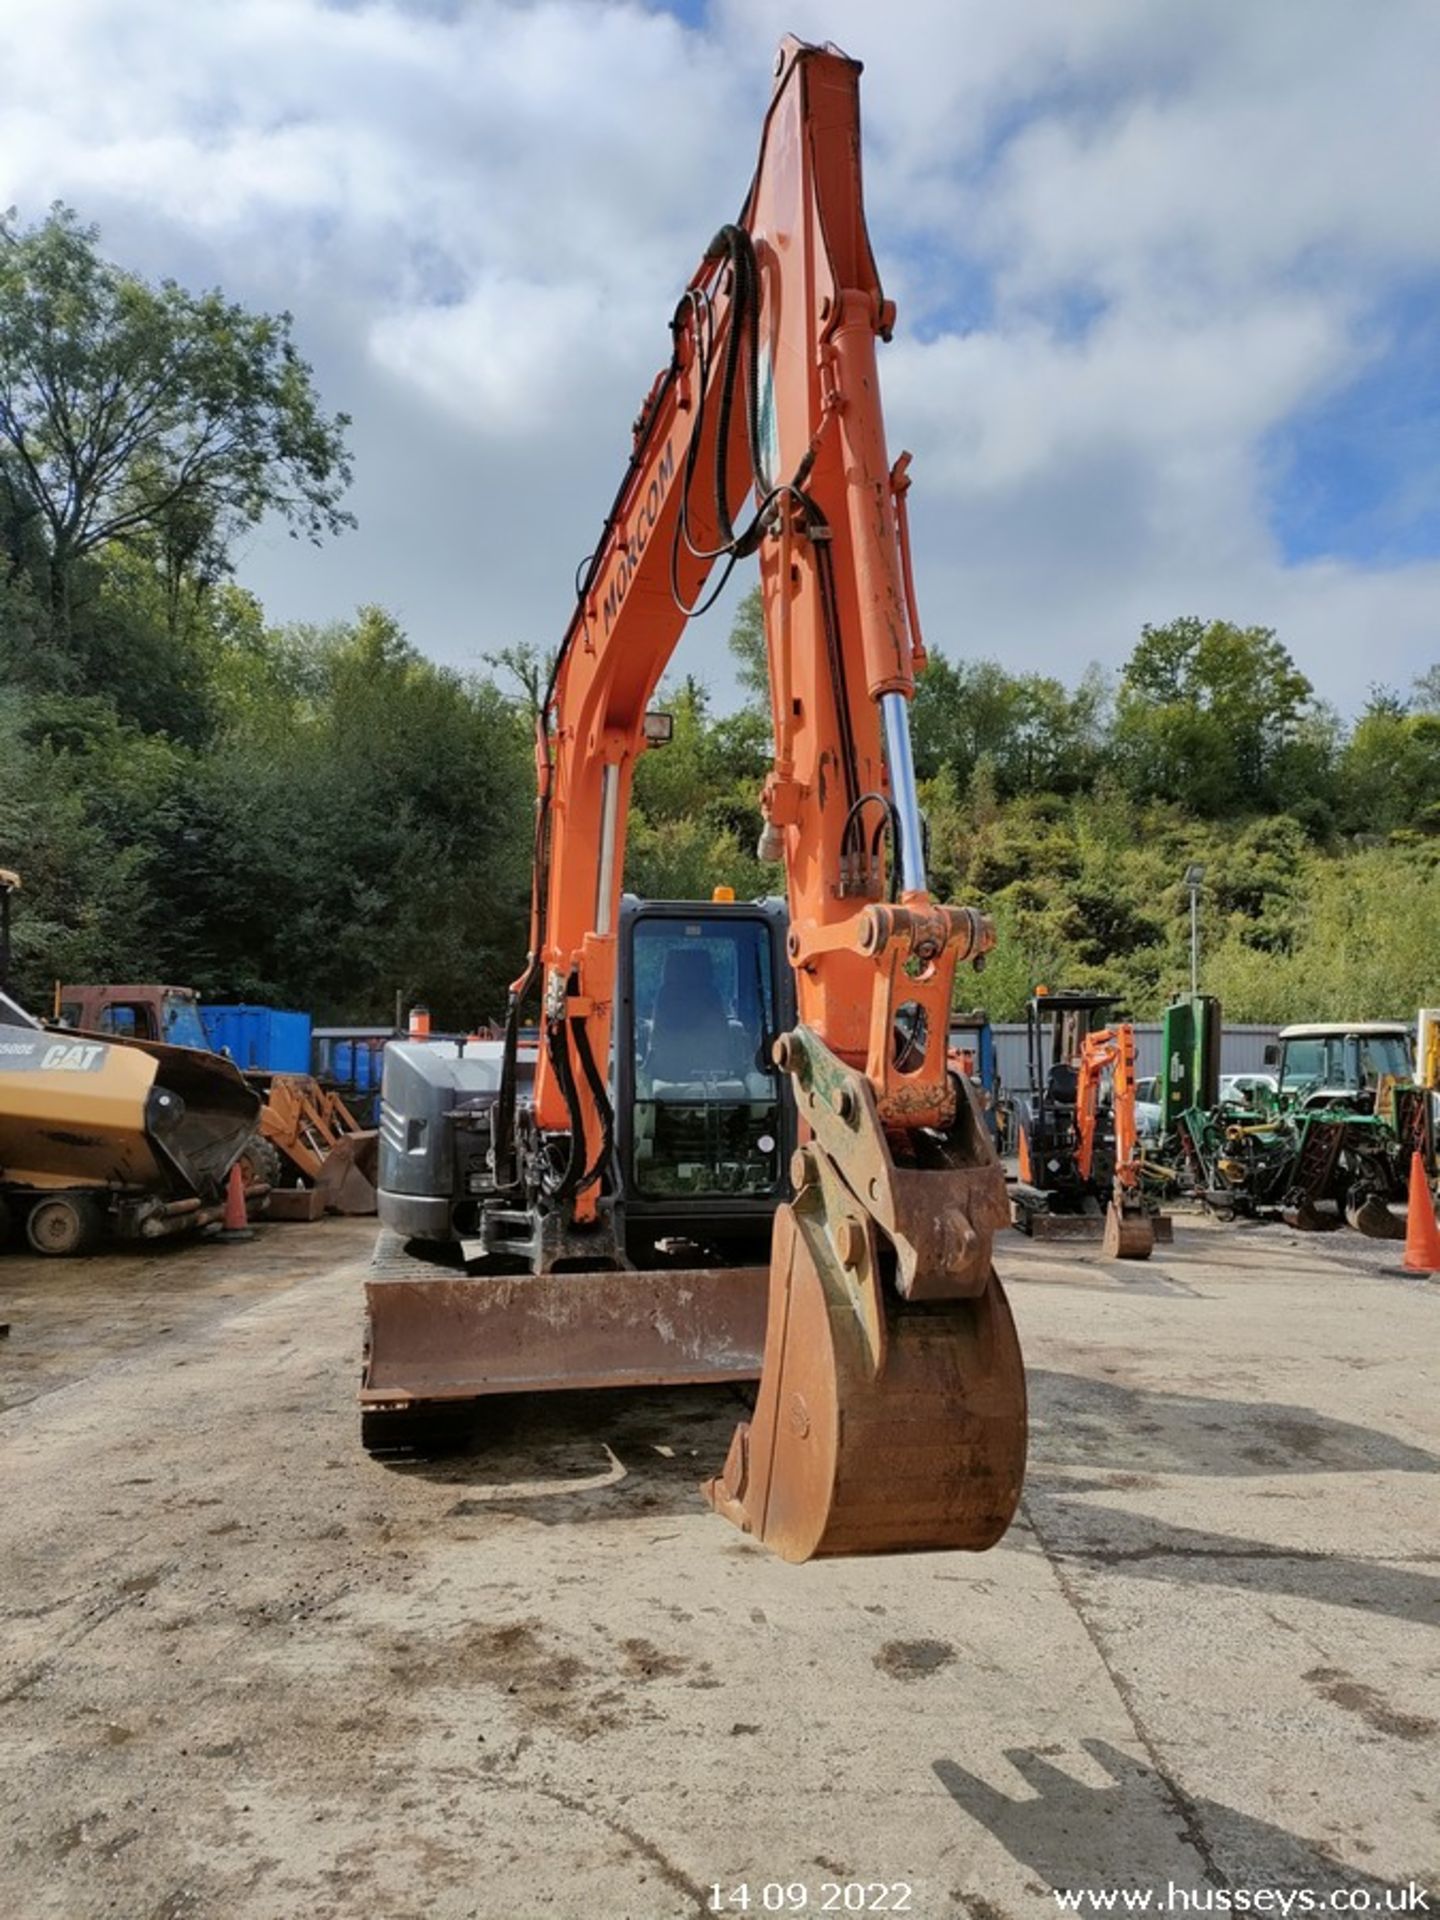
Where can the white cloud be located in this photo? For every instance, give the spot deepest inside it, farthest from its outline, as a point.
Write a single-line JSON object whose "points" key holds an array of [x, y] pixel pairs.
{"points": [[1190, 219], [505, 356]]}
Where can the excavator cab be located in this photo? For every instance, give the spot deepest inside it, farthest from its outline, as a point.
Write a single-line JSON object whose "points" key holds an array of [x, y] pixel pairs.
{"points": [[704, 1115], [704, 1119]]}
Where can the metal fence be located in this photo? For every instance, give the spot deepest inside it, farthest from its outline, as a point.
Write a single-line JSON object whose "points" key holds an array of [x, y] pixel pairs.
{"points": [[1242, 1050]]}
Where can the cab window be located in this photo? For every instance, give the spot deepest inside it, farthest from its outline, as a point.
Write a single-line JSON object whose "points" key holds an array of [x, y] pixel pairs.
{"points": [[183, 1025], [707, 1107]]}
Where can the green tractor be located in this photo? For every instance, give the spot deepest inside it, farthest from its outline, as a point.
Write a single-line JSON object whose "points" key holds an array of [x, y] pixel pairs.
{"points": [[1330, 1144]]}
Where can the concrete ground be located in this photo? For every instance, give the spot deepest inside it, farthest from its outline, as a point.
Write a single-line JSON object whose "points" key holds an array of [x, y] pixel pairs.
{"points": [[246, 1672]]}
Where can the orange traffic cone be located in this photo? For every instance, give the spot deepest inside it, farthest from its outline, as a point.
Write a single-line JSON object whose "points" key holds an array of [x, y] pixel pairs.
{"points": [[1422, 1233], [236, 1224]]}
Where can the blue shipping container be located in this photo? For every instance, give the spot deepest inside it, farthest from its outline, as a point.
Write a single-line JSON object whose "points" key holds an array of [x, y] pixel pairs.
{"points": [[260, 1037], [353, 1061]]}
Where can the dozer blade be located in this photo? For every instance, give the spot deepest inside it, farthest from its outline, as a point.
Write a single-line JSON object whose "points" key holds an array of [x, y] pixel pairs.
{"points": [[347, 1174], [1129, 1233], [1030, 1214], [1064, 1226], [925, 1450], [438, 1337]]}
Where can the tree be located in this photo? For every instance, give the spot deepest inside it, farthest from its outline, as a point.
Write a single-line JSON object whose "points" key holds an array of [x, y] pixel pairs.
{"points": [[529, 668], [748, 646], [361, 827], [1206, 714], [149, 415], [1390, 770]]}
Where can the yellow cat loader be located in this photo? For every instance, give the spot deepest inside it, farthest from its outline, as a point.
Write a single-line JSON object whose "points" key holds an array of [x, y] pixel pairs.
{"points": [[306, 1134], [131, 1137]]}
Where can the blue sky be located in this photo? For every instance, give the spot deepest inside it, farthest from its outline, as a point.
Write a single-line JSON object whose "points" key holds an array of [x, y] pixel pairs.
{"points": [[1357, 472], [1166, 280]]}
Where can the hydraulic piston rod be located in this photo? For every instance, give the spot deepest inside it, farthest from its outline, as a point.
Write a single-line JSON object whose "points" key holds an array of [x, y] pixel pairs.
{"points": [[895, 709]]}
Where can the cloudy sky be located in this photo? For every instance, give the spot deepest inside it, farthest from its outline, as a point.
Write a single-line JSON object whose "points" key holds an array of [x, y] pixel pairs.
{"points": [[1167, 278]]}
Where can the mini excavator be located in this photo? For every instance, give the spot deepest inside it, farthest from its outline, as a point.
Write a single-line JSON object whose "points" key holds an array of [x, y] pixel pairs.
{"points": [[714, 1078], [1078, 1139]]}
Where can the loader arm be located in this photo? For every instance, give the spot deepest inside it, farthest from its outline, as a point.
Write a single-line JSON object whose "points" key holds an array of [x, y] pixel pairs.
{"points": [[764, 433]]}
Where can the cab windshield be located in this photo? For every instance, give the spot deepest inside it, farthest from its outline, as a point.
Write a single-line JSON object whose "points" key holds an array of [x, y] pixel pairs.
{"points": [[707, 1095], [183, 1025], [1354, 1061]]}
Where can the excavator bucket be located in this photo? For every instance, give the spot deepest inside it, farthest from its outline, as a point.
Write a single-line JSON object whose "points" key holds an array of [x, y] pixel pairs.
{"points": [[891, 1416], [1373, 1217], [1129, 1232], [842, 1457], [347, 1175]]}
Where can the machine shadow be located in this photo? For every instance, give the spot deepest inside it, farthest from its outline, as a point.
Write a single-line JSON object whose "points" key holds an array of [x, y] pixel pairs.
{"points": [[1097, 1539], [570, 1457], [600, 1454], [1078, 1421], [1136, 1831], [1132, 1436]]}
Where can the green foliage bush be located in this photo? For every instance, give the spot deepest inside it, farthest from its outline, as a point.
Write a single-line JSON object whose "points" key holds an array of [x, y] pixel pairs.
{"points": [[1072, 819], [323, 818]]}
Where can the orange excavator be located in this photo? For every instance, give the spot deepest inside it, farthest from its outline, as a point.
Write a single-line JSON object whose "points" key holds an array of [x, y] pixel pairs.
{"points": [[1109, 1053], [1080, 1163], [646, 1125]]}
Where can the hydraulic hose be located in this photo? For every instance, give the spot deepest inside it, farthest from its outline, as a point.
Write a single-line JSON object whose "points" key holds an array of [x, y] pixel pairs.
{"points": [[556, 1046], [601, 1096]]}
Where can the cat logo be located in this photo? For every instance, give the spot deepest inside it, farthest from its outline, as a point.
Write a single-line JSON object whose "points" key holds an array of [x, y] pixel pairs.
{"points": [[72, 1057]]}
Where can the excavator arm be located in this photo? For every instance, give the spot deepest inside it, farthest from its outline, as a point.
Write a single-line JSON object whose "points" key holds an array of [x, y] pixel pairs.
{"points": [[891, 1412], [1129, 1231], [1108, 1050]]}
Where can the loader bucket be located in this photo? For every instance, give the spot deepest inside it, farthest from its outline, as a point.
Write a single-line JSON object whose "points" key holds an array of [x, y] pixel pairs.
{"points": [[437, 1338], [925, 1450], [347, 1175]]}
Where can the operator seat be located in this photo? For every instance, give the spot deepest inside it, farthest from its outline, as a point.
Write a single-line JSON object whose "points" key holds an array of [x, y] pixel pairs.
{"points": [[1063, 1085], [690, 1031]]}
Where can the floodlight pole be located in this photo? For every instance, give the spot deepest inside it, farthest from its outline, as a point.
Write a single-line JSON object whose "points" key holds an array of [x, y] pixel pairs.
{"points": [[1194, 876]]}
